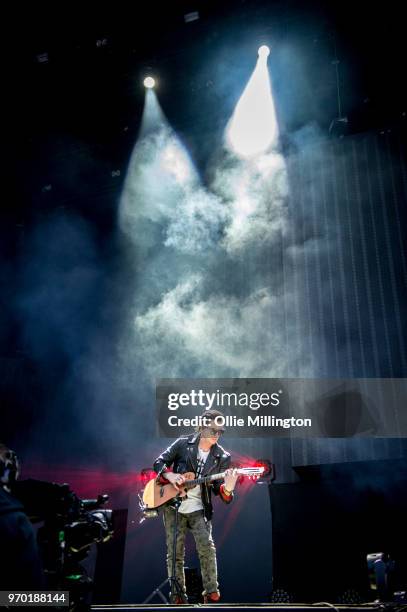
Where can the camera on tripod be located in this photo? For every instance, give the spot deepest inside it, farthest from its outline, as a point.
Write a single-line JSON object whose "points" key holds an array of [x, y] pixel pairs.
{"points": [[70, 527]]}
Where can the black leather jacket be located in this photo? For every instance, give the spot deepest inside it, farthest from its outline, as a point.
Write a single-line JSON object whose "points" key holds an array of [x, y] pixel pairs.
{"points": [[182, 456]]}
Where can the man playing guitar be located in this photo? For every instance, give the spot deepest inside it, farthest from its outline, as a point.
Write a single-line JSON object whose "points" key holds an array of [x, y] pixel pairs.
{"points": [[199, 453]]}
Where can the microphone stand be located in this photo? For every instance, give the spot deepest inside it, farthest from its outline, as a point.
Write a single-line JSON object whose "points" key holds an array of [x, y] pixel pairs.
{"points": [[172, 580]]}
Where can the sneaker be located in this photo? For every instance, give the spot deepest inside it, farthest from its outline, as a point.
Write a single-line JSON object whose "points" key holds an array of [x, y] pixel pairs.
{"points": [[212, 597]]}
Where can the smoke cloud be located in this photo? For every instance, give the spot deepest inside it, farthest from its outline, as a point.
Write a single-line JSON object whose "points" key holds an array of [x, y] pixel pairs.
{"points": [[212, 299]]}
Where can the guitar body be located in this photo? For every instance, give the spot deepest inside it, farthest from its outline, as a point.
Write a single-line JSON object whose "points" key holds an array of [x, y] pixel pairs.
{"points": [[156, 495]]}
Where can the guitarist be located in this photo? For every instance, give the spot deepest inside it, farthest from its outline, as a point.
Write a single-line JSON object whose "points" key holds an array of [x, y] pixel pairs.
{"points": [[199, 453]]}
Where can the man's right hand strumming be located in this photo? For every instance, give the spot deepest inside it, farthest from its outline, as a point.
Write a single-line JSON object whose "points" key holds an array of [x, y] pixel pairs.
{"points": [[175, 479]]}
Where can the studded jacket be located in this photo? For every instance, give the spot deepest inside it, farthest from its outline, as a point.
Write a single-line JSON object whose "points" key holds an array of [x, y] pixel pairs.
{"points": [[182, 457]]}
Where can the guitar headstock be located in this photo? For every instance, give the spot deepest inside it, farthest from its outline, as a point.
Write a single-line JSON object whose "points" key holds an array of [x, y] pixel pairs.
{"points": [[254, 473]]}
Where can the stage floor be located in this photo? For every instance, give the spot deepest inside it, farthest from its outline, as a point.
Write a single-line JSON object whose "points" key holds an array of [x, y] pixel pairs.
{"points": [[247, 607]]}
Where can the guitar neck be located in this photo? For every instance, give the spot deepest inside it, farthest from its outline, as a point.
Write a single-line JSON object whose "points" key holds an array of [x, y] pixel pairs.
{"points": [[197, 481]]}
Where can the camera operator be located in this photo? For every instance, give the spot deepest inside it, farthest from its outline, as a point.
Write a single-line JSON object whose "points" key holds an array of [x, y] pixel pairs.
{"points": [[20, 565]]}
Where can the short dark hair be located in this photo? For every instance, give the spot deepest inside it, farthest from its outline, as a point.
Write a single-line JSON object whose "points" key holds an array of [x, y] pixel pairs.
{"points": [[3, 449], [9, 464], [211, 414]]}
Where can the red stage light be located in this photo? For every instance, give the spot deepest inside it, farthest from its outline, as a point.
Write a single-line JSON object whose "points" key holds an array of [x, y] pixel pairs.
{"points": [[146, 475], [269, 469]]}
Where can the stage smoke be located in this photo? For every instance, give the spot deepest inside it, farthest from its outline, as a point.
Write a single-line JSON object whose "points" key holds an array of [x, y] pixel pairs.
{"points": [[208, 298]]}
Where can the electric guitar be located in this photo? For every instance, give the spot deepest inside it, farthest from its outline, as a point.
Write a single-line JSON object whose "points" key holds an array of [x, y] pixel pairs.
{"points": [[155, 494]]}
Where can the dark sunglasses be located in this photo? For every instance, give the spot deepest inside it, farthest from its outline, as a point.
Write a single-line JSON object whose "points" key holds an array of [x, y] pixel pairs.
{"points": [[214, 432]]}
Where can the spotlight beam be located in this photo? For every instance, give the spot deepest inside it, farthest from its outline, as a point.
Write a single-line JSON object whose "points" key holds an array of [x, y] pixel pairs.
{"points": [[253, 130]]}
